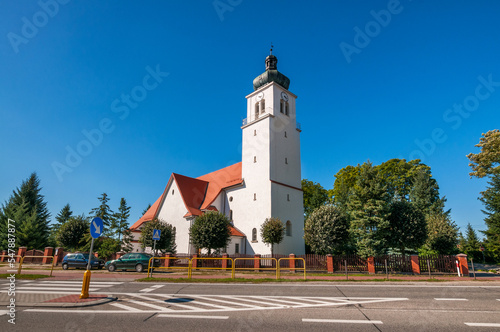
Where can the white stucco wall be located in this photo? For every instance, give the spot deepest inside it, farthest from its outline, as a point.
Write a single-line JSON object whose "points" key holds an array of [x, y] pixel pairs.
{"points": [[172, 211]]}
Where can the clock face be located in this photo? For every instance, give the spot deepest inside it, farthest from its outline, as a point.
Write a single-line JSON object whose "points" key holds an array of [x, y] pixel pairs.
{"points": [[260, 96], [284, 96]]}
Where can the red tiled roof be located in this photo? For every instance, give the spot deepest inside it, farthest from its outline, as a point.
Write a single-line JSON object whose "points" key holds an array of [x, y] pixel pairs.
{"points": [[148, 216], [198, 194], [236, 232], [218, 180]]}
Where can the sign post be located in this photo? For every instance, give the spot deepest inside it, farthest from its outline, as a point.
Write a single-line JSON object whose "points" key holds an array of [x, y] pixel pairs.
{"points": [[156, 237], [96, 229]]}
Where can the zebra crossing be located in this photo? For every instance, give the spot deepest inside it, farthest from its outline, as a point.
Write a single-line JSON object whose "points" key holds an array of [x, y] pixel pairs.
{"points": [[185, 304], [55, 287]]}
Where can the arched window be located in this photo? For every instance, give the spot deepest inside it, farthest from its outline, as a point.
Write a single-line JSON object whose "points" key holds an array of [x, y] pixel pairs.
{"points": [[256, 111], [288, 228], [286, 108], [254, 196], [254, 235], [231, 215], [262, 106]]}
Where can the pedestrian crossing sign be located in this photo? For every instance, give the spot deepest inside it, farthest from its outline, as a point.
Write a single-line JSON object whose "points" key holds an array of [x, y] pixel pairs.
{"points": [[156, 234]]}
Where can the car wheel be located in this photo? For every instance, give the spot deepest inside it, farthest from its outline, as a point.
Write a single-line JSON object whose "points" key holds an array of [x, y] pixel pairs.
{"points": [[111, 268], [65, 266], [139, 268]]}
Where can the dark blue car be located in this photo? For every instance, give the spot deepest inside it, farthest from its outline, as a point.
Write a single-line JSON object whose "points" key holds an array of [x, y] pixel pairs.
{"points": [[80, 261]]}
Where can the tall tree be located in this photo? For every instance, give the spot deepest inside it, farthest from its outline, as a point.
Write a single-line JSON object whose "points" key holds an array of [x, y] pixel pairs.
{"points": [[210, 231], [425, 194], [146, 209], [327, 230], [167, 237], [491, 200], [61, 218], [272, 232], [314, 196], [472, 244], [368, 208], [486, 162], [27, 207], [408, 227], [345, 180], [104, 212], [121, 218]]}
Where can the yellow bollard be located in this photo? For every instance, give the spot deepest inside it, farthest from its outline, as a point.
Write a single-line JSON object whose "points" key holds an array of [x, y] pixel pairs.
{"points": [[85, 285]]}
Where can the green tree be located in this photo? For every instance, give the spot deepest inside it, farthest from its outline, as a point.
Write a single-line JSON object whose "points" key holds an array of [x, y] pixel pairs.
{"points": [[74, 233], [104, 212], [442, 237], [27, 207], [425, 194], [345, 180], [126, 244], [61, 218], [107, 247], [272, 232], [491, 200], [472, 244], [210, 231], [486, 162], [121, 218], [398, 176], [167, 238], [314, 196], [327, 230], [368, 207], [408, 227]]}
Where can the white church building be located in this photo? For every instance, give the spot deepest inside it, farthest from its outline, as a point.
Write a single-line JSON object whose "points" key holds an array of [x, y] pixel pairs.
{"points": [[266, 183]]}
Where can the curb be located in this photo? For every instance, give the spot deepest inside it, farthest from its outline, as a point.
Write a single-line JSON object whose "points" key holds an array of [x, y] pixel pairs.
{"points": [[109, 298]]}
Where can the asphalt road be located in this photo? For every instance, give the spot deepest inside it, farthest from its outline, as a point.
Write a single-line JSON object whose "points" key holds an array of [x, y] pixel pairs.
{"points": [[276, 307]]}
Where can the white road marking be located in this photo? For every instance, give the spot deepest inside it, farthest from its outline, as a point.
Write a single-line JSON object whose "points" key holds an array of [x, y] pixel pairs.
{"points": [[4, 312], [345, 321], [483, 324], [150, 305], [126, 307], [150, 289], [227, 302], [193, 316], [449, 299]]}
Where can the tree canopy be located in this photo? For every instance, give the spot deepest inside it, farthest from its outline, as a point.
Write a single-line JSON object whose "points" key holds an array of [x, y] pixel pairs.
{"points": [[73, 234], [314, 196], [272, 232], [167, 238], [210, 231], [327, 230], [408, 227], [486, 162], [27, 207]]}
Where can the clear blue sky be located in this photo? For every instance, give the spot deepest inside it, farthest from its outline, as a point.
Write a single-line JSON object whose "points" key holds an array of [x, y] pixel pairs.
{"points": [[369, 95]]}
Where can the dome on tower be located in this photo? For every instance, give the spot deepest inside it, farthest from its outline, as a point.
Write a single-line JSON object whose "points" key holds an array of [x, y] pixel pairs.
{"points": [[271, 74]]}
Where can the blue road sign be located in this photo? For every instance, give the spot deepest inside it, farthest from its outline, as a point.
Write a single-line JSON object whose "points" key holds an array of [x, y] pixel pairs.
{"points": [[156, 234], [96, 227]]}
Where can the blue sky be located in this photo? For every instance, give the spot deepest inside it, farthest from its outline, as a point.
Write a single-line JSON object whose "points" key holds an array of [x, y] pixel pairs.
{"points": [[375, 80]]}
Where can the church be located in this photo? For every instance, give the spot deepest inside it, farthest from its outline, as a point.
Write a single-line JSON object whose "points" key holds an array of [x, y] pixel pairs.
{"points": [[266, 183]]}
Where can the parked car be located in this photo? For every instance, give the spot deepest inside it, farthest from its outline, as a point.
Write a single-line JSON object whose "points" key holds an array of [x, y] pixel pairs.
{"points": [[80, 261], [132, 261]]}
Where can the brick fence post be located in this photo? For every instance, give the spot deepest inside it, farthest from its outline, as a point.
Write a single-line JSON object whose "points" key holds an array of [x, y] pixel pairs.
{"points": [[256, 262], [4, 253], [462, 262], [21, 252], [371, 265], [224, 260], [415, 266], [167, 260], [329, 263], [48, 252], [195, 261], [59, 254], [291, 262]]}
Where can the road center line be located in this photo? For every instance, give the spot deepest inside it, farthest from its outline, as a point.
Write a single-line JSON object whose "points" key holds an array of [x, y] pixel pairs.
{"points": [[344, 321], [483, 324], [449, 299]]}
